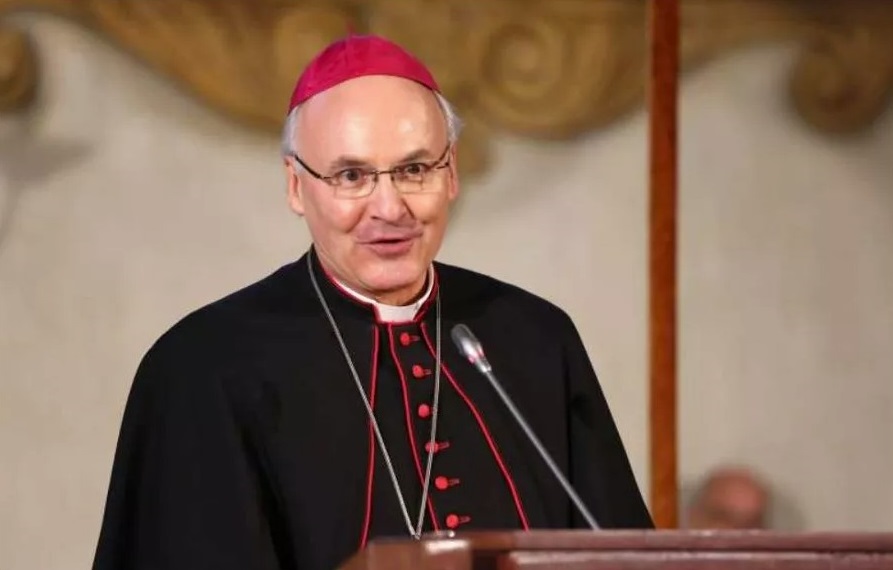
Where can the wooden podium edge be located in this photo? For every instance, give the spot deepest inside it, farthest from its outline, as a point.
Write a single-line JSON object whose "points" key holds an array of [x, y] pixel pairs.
{"points": [[492, 549], [671, 540]]}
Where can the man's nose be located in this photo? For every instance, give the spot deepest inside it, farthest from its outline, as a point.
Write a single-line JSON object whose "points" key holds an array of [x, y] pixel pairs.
{"points": [[386, 201]]}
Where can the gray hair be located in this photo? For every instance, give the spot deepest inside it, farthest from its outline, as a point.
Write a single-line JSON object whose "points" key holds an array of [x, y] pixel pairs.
{"points": [[453, 123]]}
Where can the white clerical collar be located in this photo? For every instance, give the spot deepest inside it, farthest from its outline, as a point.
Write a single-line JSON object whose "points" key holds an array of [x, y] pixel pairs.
{"points": [[393, 313]]}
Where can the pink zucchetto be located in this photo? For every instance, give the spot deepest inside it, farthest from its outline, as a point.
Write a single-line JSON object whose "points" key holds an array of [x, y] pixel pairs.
{"points": [[357, 56]]}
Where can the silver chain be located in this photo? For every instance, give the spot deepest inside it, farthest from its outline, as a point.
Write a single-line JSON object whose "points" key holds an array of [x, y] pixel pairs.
{"points": [[415, 532]]}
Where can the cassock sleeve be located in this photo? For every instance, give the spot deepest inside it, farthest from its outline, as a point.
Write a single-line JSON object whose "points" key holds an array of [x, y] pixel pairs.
{"points": [[599, 466], [185, 490]]}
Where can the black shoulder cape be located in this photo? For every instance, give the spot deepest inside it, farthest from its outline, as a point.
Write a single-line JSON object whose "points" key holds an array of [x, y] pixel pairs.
{"points": [[245, 442]]}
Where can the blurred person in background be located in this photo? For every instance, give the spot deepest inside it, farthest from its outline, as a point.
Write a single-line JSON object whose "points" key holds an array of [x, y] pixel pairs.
{"points": [[729, 497]]}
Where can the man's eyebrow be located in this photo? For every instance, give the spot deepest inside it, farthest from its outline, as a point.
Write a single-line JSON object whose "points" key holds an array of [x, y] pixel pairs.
{"points": [[347, 161], [422, 153]]}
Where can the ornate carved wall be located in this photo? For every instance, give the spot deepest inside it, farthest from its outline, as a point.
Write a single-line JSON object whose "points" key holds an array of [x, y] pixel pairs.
{"points": [[539, 69]]}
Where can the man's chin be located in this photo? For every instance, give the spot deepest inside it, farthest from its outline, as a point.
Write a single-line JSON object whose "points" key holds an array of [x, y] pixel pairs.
{"points": [[397, 283]]}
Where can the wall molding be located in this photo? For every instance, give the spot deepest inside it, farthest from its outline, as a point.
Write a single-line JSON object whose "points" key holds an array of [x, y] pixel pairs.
{"points": [[548, 71]]}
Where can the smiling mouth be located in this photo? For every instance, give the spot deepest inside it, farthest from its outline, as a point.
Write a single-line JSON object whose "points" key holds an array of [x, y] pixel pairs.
{"points": [[389, 241], [391, 247]]}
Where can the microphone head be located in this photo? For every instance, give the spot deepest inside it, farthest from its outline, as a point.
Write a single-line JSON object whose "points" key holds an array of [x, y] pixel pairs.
{"points": [[470, 347]]}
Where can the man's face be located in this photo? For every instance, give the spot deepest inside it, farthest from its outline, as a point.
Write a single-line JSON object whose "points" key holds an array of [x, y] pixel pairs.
{"points": [[381, 244], [732, 503]]}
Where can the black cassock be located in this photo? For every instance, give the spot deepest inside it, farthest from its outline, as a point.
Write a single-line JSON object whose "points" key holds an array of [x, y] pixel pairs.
{"points": [[245, 442]]}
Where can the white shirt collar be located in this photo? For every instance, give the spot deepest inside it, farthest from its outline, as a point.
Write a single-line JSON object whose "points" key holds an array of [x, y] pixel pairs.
{"points": [[393, 313]]}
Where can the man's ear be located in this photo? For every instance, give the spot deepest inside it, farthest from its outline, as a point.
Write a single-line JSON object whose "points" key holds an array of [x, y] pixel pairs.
{"points": [[453, 190], [295, 191]]}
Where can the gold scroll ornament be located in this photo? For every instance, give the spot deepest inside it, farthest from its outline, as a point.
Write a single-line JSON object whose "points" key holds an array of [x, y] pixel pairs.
{"points": [[546, 70]]}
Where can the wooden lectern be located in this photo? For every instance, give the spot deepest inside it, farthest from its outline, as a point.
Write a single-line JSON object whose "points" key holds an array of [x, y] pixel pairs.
{"points": [[630, 550]]}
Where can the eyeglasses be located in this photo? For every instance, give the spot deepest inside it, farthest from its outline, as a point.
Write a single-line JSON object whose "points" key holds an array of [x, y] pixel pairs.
{"points": [[358, 182]]}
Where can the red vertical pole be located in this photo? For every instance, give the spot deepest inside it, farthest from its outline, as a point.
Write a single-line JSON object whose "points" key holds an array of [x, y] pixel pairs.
{"points": [[663, 38]]}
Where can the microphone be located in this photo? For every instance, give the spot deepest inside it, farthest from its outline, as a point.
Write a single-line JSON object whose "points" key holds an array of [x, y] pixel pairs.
{"points": [[471, 348]]}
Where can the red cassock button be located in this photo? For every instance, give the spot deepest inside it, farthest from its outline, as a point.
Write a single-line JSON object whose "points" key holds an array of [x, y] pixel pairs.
{"points": [[418, 371], [443, 483], [405, 339], [439, 446], [452, 521], [424, 410]]}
